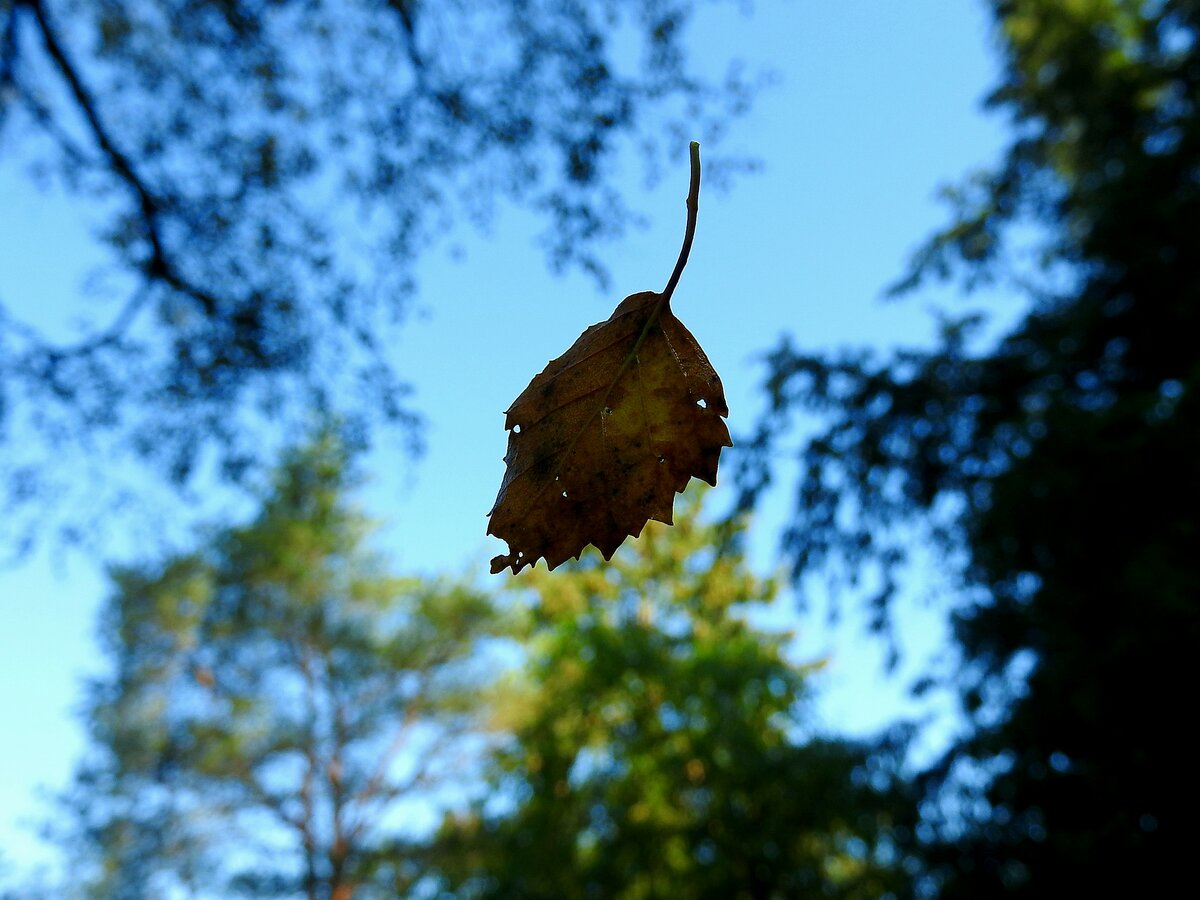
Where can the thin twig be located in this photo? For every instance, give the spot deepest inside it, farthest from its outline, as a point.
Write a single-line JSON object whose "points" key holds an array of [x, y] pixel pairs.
{"points": [[693, 205], [159, 266], [689, 233]]}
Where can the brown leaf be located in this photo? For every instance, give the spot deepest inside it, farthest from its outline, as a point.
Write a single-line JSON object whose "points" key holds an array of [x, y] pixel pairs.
{"points": [[608, 433]]}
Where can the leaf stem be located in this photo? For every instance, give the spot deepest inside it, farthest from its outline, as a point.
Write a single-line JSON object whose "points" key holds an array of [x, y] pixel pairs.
{"points": [[693, 203]]}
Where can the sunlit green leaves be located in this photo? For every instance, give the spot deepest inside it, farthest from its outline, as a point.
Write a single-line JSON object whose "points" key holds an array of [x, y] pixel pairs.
{"points": [[661, 746]]}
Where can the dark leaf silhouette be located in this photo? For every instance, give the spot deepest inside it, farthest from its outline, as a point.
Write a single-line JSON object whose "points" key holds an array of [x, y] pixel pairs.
{"points": [[606, 435], [256, 181]]}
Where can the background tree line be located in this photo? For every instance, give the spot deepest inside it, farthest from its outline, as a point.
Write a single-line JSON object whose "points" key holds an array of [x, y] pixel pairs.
{"points": [[283, 714], [645, 738]]}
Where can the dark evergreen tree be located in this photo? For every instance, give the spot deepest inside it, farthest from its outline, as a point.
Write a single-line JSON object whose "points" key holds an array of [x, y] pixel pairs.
{"points": [[1060, 463]]}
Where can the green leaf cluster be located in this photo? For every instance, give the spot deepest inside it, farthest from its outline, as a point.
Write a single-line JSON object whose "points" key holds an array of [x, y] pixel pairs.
{"points": [[661, 749]]}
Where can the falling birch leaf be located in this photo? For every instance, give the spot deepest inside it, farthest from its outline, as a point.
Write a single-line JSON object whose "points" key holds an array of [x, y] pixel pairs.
{"points": [[602, 440]]}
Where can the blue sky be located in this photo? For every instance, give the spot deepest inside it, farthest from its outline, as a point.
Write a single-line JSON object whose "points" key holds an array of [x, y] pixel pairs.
{"points": [[877, 103]]}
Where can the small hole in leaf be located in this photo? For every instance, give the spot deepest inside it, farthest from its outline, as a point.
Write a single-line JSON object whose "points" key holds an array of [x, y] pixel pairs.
{"points": [[662, 459], [516, 429], [608, 411], [564, 493], [701, 403]]}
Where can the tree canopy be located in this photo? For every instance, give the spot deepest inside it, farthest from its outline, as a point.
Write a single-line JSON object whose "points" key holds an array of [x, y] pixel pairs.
{"points": [[1059, 463], [263, 174], [282, 717], [279, 707], [662, 746]]}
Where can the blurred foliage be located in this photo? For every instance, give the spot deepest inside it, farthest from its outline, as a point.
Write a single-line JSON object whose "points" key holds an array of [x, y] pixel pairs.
{"points": [[1059, 464], [283, 716], [660, 747], [277, 702], [263, 175]]}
